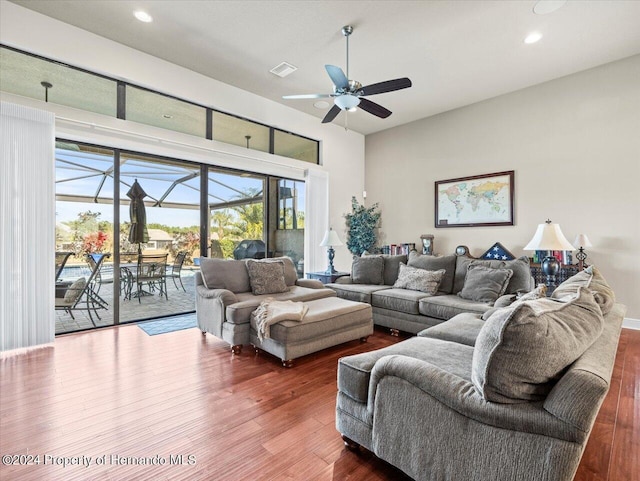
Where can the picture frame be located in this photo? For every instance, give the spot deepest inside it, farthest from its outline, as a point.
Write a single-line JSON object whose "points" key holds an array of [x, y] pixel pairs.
{"points": [[475, 201], [427, 244]]}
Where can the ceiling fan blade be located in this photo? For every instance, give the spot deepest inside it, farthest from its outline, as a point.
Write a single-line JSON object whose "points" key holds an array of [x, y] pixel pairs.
{"points": [[338, 77], [387, 86], [332, 114], [307, 96], [374, 108]]}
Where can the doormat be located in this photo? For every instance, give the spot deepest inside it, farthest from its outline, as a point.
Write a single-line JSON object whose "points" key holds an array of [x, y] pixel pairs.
{"points": [[169, 324]]}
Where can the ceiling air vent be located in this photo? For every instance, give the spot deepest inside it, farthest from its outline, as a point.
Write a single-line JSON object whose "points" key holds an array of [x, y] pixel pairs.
{"points": [[283, 69]]}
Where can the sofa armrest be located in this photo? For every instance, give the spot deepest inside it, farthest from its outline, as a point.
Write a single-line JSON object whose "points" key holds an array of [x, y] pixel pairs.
{"points": [[310, 283], [460, 395], [211, 305]]}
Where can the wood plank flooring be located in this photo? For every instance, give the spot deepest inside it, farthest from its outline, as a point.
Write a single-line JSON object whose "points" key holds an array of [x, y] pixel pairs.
{"points": [[117, 395]]}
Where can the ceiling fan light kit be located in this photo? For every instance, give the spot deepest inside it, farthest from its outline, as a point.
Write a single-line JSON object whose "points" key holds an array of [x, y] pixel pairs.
{"points": [[347, 101], [348, 94]]}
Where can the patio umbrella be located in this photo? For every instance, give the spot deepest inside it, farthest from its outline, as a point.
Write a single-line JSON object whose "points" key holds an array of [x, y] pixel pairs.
{"points": [[138, 231]]}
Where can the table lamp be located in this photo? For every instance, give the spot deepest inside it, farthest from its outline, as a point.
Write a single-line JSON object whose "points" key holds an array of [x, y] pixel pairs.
{"points": [[330, 240], [583, 241], [549, 237]]}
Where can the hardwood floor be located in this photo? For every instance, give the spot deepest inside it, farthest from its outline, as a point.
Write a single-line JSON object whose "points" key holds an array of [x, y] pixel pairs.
{"points": [[118, 393]]}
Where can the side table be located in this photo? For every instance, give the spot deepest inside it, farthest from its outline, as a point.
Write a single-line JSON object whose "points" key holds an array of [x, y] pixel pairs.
{"points": [[566, 271], [326, 277]]}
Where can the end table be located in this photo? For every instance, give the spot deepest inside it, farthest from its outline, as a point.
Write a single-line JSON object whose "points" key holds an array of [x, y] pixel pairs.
{"points": [[326, 277]]}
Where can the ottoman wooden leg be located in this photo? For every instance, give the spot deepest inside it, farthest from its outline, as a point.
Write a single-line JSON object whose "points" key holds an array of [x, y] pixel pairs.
{"points": [[287, 363], [364, 339], [395, 332], [237, 349], [350, 444]]}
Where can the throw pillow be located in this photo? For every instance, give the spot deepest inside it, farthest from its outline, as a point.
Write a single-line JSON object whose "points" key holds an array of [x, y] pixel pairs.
{"points": [[74, 290], [521, 351], [367, 270], [266, 277], [435, 263], [591, 278], [483, 284], [416, 279]]}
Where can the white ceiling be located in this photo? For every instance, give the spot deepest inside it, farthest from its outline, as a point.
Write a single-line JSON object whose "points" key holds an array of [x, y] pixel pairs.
{"points": [[455, 52]]}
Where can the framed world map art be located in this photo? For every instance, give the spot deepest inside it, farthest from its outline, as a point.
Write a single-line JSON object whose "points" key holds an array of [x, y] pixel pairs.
{"points": [[480, 200]]}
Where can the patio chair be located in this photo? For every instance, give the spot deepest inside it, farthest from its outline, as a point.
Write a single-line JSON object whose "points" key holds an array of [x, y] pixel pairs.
{"points": [[81, 295], [104, 274], [61, 260], [176, 268], [152, 269]]}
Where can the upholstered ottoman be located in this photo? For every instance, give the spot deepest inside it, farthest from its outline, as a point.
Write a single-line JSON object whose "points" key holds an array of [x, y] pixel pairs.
{"points": [[328, 322]]}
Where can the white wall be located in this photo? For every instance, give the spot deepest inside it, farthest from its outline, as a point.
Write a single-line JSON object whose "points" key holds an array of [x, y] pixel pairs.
{"points": [[574, 144], [342, 152]]}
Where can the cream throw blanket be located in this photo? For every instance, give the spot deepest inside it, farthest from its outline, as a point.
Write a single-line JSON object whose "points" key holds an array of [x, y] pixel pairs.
{"points": [[271, 311]]}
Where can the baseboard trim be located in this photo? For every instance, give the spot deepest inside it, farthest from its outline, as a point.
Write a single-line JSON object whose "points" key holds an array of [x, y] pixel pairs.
{"points": [[629, 323]]}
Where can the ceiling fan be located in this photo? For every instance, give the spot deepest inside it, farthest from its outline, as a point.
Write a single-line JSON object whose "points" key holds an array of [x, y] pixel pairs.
{"points": [[349, 94]]}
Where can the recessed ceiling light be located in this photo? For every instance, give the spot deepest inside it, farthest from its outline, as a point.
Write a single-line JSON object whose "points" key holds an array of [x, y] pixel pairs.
{"points": [[143, 16], [533, 37], [321, 104], [547, 6]]}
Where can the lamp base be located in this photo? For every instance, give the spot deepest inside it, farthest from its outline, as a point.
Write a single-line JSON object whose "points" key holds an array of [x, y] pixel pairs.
{"points": [[550, 267], [581, 256], [331, 253]]}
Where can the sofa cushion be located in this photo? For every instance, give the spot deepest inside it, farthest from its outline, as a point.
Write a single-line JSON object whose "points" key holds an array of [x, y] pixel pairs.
{"points": [[392, 267], [356, 292], [402, 300], [484, 284], [325, 317], [354, 372], [225, 274], [416, 279], [446, 306], [593, 279], [367, 270], [240, 312], [434, 263], [521, 351], [463, 329], [74, 290], [266, 277]]}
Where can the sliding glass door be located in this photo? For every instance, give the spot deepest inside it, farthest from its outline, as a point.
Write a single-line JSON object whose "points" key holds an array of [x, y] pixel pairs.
{"points": [[157, 269], [84, 227], [132, 227]]}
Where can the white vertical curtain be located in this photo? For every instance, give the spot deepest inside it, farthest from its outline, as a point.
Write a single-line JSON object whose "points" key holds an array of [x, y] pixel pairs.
{"points": [[27, 220], [316, 220]]}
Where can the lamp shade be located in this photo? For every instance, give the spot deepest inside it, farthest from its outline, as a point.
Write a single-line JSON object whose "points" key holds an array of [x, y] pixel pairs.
{"points": [[331, 239], [582, 241], [549, 237]]}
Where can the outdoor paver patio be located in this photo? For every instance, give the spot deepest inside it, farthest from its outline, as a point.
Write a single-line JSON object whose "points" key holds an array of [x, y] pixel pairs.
{"points": [[131, 310]]}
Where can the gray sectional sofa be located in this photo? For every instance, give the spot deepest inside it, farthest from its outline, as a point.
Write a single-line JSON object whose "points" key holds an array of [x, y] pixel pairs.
{"points": [[411, 310], [510, 398]]}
